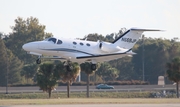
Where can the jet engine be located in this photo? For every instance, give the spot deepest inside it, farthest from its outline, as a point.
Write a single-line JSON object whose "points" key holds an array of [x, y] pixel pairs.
{"points": [[108, 47]]}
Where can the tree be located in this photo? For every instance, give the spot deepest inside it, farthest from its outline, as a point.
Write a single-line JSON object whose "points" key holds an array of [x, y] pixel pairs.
{"points": [[173, 72], [86, 67], [3, 63], [14, 67], [121, 32], [125, 66], [113, 74], [25, 31], [10, 66], [107, 72], [156, 54], [68, 75], [95, 37], [29, 71], [47, 77]]}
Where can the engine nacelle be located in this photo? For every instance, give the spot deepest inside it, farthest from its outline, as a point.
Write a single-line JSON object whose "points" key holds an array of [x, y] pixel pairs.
{"points": [[108, 47]]}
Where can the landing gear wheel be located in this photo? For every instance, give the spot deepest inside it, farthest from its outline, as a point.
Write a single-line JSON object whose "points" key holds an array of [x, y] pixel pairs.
{"points": [[93, 67], [38, 61], [68, 65]]}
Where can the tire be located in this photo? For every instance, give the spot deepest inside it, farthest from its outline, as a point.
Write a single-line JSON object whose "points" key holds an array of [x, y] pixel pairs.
{"points": [[38, 61], [69, 68], [93, 67]]}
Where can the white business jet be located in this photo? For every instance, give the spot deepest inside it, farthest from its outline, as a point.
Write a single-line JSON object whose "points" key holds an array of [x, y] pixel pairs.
{"points": [[75, 50]]}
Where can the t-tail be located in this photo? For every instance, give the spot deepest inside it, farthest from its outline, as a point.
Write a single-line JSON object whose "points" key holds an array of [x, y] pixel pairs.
{"points": [[130, 37]]}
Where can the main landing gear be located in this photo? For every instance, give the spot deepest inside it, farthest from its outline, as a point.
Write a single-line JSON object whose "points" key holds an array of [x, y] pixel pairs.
{"points": [[93, 67], [68, 65]]}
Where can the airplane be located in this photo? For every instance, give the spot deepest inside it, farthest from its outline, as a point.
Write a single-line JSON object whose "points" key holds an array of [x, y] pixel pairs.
{"points": [[76, 50]]}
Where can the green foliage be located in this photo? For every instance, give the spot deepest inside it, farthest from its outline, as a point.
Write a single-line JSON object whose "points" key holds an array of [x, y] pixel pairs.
{"points": [[173, 70], [79, 95], [126, 67], [156, 53], [86, 67], [68, 75], [10, 66], [47, 77], [29, 71], [95, 37], [25, 31], [3, 63], [14, 68], [107, 72]]}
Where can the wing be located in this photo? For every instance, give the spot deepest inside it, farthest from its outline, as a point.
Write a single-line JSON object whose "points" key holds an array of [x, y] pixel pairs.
{"points": [[53, 57], [102, 58]]}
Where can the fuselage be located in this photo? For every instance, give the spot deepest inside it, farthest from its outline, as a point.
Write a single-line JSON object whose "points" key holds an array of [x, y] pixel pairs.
{"points": [[69, 48]]}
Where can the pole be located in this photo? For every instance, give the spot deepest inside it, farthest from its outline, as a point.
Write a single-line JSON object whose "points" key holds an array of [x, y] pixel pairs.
{"points": [[6, 72], [143, 57]]}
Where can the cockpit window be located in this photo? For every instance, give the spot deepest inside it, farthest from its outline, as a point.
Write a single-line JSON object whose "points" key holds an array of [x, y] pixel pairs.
{"points": [[51, 39], [59, 42]]}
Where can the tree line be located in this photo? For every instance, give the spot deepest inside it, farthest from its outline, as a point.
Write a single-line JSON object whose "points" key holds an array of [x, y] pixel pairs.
{"points": [[20, 68]]}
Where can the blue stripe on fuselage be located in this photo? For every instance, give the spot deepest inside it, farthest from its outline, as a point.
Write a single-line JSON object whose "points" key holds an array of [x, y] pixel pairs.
{"points": [[67, 50]]}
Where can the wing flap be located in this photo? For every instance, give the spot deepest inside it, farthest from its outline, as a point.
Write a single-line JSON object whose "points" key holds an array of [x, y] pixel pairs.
{"points": [[102, 58], [53, 57]]}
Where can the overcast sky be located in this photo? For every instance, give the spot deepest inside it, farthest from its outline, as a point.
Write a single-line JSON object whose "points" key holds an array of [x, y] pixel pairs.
{"points": [[77, 18]]}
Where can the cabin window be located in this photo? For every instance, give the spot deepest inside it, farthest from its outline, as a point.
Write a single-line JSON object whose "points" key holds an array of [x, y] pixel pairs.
{"points": [[74, 43], [59, 42], [81, 43], [88, 44]]}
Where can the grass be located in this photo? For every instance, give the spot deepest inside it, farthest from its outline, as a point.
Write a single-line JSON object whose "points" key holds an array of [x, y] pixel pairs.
{"points": [[77, 95], [87, 101], [80, 98]]}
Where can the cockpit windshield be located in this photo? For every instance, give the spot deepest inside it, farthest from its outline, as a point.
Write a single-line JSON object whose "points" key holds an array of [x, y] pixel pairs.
{"points": [[51, 40]]}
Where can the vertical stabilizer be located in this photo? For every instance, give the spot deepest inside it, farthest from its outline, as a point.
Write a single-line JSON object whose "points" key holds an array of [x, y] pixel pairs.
{"points": [[130, 37]]}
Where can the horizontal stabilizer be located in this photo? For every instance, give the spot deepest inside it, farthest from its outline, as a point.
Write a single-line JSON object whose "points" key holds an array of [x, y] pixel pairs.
{"points": [[137, 29]]}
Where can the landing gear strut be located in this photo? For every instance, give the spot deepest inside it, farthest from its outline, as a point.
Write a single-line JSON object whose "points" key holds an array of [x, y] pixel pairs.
{"points": [[93, 67], [68, 65], [38, 61]]}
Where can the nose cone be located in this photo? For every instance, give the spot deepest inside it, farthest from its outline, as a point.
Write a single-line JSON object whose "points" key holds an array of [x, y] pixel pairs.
{"points": [[30, 46], [26, 47]]}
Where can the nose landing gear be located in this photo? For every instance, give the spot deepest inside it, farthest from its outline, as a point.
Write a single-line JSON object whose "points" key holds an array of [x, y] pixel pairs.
{"points": [[38, 61]]}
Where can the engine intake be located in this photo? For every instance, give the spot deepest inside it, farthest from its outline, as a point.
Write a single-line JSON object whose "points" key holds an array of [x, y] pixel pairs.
{"points": [[108, 47]]}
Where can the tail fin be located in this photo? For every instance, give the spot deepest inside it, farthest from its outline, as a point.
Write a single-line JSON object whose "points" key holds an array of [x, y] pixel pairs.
{"points": [[130, 37]]}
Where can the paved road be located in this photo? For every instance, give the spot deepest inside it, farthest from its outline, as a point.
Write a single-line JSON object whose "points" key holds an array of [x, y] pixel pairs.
{"points": [[92, 88], [101, 105]]}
